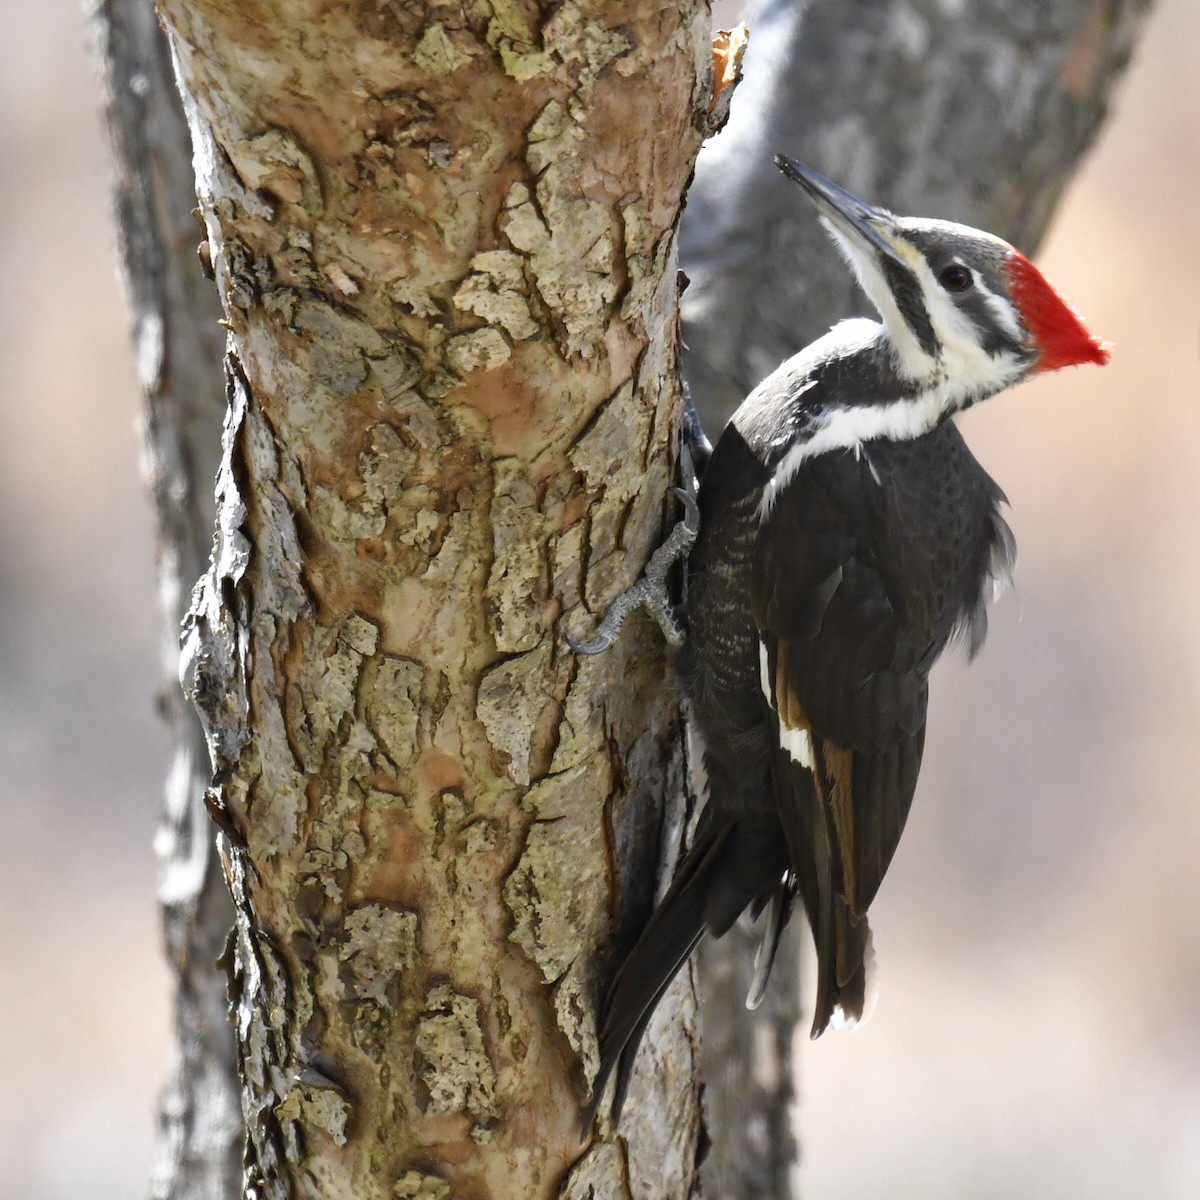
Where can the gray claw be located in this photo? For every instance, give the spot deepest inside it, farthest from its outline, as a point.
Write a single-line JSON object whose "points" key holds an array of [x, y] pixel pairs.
{"points": [[691, 513], [650, 592]]}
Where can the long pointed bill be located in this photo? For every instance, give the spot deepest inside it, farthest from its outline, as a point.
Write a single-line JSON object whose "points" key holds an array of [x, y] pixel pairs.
{"points": [[849, 215], [888, 279]]}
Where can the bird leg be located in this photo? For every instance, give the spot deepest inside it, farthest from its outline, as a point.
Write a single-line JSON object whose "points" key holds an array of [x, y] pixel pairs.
{"points": [[651, 591]]}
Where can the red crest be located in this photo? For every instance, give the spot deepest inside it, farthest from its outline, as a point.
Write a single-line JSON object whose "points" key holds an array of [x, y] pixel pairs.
{"points": [[1057, 332]]}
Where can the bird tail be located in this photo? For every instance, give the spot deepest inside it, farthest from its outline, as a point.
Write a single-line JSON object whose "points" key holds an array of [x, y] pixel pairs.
{"points": [[730, 866], [778, 909], [845, 959], [845, 970], [672, 933]]}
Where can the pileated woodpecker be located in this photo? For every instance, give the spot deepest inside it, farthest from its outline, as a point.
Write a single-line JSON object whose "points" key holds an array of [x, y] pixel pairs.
{"points": [[847, 535]]}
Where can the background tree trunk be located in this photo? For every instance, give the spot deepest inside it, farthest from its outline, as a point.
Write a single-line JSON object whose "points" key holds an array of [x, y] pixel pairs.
{"points": [[178, 347], [975, 112], [444, 241]]}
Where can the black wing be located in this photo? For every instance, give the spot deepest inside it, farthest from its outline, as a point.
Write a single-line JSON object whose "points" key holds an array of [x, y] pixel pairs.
{"points": [[865, 566]]}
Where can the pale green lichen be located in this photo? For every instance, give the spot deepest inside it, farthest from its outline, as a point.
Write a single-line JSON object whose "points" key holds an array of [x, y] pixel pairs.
{"points": [[572, 255], [391, 690], [381, 942], [329, 683], [524, 65], [555, 894], [581, 731], [338, 345], [437, 54], [486, 348], [345, 520], [495, 291], [382, 494], [577, 38], [516, 587], [610, 454], [646, 261], [511, 696], [275, 162], [414, 295], [552, 137], [552, 891], [454, 552], [515, 39], [383, 467], [602, 455], [318, 1106], [454, 1066], [480, 836], [416, 1185]]}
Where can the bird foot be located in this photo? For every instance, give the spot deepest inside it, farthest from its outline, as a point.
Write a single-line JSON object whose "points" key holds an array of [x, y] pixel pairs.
{"points": [[651, 592]]}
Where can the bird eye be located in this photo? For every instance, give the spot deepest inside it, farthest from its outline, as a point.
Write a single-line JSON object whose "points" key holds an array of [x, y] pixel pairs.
{"points": [[956, 278]]}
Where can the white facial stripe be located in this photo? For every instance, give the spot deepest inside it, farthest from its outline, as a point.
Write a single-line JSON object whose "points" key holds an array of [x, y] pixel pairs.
{"points": [[798, 745], [911, 359], [1002, 312], [969, 372], [961, 373], [967, 369]]}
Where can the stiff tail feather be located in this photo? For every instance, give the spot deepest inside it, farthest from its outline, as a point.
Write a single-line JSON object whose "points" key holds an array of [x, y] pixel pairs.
{"points": [[778, 910], [845, 961], [845, 969], [670, 936]]}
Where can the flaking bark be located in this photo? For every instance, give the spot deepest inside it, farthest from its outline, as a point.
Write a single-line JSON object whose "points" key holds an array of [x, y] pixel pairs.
{"points": [[443, 237]]}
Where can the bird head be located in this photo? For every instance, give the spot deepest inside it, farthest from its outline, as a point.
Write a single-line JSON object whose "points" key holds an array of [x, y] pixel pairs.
{"points": [[964, 312]]}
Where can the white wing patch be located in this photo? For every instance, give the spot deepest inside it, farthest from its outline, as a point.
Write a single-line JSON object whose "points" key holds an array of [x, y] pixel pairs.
{"points": [[798, 745], [795, 742], [764, 674], [911, 358]]}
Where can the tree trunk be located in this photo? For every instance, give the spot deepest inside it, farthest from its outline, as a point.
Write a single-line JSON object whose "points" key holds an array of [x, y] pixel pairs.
{"points": [[178, 348], [444, 241], [976, 112]]}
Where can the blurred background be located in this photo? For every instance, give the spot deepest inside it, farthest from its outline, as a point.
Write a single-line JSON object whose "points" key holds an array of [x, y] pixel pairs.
{"points": [[1038, 938]]}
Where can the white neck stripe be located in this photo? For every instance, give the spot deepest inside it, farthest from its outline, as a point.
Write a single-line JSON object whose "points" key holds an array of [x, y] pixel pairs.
{"points": [[848, 428], [897, 420]]}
